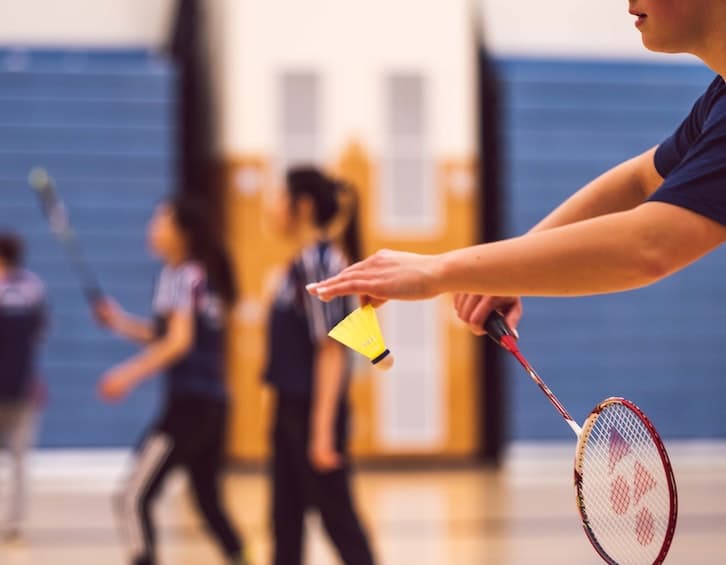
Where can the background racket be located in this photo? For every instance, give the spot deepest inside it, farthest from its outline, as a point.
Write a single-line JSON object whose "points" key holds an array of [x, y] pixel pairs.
{"points": [[60, 225], [626, 491]]}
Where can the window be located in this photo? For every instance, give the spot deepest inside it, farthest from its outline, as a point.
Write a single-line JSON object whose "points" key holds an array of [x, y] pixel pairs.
{"points": [[412, 397], [299, 119], [408, 198]]}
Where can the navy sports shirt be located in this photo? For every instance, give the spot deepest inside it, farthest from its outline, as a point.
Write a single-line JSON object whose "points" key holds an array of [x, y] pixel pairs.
{"points": [[201, 371], [22, 319], [299, 322], [693, 160]]}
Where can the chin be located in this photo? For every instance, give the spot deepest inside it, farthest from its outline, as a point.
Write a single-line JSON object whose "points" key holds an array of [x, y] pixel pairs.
{"points": [[660, 46]]}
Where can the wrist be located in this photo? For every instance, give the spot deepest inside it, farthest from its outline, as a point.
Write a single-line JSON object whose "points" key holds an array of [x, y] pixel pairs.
{"points": [[441, 274]]}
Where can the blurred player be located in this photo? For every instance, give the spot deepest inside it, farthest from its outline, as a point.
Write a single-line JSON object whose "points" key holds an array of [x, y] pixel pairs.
{"points": [[186, 340], [639, 222], [22, 319], [311, 372]]}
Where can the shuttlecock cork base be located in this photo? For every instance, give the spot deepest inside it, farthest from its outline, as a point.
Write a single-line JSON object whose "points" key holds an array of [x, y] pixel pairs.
{"points": [[361, 332]]}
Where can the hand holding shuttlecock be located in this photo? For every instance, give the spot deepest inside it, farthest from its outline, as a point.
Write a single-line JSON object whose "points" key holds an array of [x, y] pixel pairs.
{"points": [[360, 331]]}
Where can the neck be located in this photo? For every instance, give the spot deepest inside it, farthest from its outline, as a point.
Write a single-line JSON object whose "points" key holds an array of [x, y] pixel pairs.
{"points": [[175, 259], [713, 48], [308, 235], [4, 272]]}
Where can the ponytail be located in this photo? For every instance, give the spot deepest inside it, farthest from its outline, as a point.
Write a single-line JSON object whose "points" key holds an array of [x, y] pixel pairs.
{"points": [[206, 245], [335, 204], [350, 238]]}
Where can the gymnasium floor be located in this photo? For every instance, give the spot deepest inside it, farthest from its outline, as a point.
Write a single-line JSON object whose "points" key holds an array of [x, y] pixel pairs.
{"points": [[521, 515]]}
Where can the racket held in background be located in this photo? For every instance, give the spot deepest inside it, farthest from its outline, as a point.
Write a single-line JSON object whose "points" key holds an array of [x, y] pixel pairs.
{"points": [[57, 215], [626, 490]]}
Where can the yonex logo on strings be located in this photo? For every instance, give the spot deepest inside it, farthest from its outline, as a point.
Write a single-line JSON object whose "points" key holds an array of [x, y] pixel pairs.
{"points": [[622, 496]]}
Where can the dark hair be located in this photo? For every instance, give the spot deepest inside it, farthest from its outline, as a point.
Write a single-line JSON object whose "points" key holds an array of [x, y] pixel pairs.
{"points": [[12, 251], [205, 244], [333, 201]]}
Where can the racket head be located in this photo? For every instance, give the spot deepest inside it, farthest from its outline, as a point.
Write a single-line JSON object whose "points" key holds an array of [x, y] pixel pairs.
{"points": [[626, 490], [51, 205]]}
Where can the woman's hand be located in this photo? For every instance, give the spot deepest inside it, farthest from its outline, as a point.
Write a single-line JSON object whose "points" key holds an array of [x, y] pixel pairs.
{"points": [[384, 276], [116, 384], [474, 309], [323, 456], [108, 313]]}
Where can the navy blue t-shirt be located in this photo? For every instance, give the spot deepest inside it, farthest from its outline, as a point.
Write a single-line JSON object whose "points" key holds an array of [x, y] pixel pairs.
{"points": [[299, 322], [22, 319], [693, 160], [185, 289]]}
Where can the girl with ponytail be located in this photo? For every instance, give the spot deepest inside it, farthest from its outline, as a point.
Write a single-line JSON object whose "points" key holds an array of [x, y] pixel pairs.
{"points": [[185, 339], [311, 372]]}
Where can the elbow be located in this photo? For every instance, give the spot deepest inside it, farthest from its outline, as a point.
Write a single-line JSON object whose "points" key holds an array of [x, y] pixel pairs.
{"points": [[654, 262], [176, 349]]}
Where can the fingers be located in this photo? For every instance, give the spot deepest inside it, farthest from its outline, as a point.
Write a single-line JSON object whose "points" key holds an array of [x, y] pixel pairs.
{"points": [[469, 308], [348, 284], [514, 315], [479, 315], [370, 300], [355, 279], [474, 309]]}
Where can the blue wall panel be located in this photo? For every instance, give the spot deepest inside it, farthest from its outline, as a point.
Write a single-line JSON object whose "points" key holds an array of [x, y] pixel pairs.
{"points": [[565, 122], [102, 123]]}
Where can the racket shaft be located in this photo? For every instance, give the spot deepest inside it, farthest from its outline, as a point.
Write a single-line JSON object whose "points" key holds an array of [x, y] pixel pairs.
{"points": [[58, 220], [574, 426], [89, 285], [499, 331]]}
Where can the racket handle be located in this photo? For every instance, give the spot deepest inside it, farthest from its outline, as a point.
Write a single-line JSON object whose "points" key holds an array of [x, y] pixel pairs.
{"points": [[497, 328], [94, 295]]}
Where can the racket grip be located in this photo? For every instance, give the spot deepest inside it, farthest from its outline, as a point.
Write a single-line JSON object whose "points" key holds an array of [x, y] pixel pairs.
{"points": [[497, 328], [94, 295]]}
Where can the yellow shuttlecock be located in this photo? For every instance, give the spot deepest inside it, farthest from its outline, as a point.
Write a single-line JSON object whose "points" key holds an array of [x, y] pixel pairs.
{"points": [[361, 332]]}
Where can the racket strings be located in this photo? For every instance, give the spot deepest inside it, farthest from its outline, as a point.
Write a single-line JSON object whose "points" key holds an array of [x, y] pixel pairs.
{"points": [[625, 487]]}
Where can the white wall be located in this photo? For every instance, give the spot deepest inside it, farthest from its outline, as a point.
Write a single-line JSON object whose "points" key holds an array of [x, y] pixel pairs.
{"points": [[563, 28], [105, 23], [352, 44]]}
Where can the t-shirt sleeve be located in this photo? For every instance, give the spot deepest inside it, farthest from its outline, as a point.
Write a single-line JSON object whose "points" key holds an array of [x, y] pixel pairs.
{"points": [[674, 148], [697, 180], [317, 265], [177, 289]]}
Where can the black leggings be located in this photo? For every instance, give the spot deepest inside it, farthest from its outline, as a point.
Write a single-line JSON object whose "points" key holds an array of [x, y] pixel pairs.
{"points": [[190, 434], [297, 486]]}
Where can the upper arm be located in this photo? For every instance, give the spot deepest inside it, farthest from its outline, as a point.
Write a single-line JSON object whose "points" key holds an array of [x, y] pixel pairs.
{"points": [[678, 236], [647, 173], [180, 331]]}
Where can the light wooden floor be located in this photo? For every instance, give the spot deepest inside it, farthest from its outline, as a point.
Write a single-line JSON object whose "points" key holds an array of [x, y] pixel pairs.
{"points": [[522, 515]]}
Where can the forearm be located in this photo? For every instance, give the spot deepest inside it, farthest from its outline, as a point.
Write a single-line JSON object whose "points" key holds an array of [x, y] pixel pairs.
{"points": [[152, 359], [607, 254], [622, 188], [135, 329], [328, 385]]}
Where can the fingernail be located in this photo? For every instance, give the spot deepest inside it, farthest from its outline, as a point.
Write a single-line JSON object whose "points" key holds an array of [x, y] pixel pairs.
{"points": [[311, 286], [515, 332]]}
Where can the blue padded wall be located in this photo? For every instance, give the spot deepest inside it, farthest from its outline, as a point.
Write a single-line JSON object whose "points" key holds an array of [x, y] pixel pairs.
{"points": [[101, 122], [565, 122]]}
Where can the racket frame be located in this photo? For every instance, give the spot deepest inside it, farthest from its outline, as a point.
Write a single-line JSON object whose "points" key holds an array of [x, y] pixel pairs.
{"points": [[667, 467], [499, 331]]}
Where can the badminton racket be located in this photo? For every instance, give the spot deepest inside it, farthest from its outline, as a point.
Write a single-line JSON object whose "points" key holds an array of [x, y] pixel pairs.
{"points": [[625, 488], [59, 222]]}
